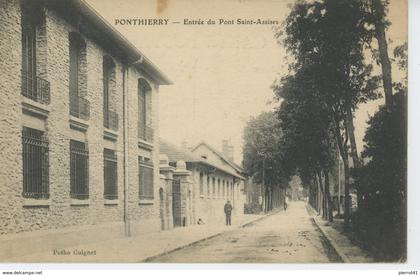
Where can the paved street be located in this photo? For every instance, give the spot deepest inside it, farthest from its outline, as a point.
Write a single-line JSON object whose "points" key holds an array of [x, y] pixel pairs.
{"points": [[285, 237]]}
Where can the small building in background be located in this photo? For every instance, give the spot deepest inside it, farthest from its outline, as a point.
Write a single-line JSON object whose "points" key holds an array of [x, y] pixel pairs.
{"points": [[209, 186]]}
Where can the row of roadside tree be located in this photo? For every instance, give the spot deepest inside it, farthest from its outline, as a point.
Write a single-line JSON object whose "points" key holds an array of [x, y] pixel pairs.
{"points": [[335, 46]]}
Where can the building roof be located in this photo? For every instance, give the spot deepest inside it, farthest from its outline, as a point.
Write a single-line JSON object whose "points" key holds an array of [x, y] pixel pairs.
{"points": [[175, 153], [222, 156], [105, 34]]}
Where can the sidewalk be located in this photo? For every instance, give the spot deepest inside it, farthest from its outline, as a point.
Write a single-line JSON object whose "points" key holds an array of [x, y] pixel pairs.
{"points": [[334, 232], [137, 249]]}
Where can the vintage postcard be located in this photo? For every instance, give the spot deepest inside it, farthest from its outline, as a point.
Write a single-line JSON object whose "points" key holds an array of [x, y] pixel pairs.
{"points": [[192, 131]]}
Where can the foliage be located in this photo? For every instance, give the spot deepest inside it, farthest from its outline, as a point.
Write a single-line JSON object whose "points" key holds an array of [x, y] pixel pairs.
{"points": [[262, 147], [401, 59], [327, 40], [383, 207], [305, 125]]}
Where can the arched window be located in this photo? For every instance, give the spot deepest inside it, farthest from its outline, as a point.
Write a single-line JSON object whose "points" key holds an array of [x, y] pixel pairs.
{"points": [[34, 53], [79, 106], [145, 131], [109, 90]]}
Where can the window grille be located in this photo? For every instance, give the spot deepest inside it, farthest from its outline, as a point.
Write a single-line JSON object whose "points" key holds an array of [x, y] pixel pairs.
{"points": [[79, 170], [33, 87], [110, 175], [145, 178], [35, 164], [79, 105]]}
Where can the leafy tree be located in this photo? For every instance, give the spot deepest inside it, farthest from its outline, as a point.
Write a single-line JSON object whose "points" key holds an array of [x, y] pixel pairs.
{"points": [[378, 10], [329, 36], [262, 153], [382, 213], [306, 139], [401, 59]]}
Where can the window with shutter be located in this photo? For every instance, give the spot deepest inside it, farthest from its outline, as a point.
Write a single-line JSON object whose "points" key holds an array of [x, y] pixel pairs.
{"points": [[110, 175], [79, 170], [145, 178]]}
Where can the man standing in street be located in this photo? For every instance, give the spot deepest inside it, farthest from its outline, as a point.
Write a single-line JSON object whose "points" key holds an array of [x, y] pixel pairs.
{"points": [[228, 212]]}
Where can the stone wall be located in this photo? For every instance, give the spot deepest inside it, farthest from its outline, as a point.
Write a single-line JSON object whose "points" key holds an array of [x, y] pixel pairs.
{"points": [[60, 211], [10, 118]]}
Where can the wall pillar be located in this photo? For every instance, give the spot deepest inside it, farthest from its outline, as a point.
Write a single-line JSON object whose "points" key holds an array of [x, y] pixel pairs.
{"points": [[167, 172], [184, 176]]}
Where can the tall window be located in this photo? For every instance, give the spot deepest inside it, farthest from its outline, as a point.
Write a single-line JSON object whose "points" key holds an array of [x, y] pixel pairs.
{"points": [[145, 178], [208, 187], [79, 170], [224, 190], [29, 60], [214, 188], [33, 86], [218, 188], [35, 164], [227, 189], [233, 190], [110, 175], [79, 106], [145, 130], [108, 70], [201, 184]]}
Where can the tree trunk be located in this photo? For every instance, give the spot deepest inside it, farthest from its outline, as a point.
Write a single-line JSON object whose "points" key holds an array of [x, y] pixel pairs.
{"points": [[320, 198], [271, 197], [342, 146], [353, 147], [379, 11], [323, 197], [329, 207], [346, 193]]}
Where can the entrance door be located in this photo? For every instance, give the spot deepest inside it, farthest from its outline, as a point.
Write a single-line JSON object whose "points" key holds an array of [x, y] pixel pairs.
{"points": [[176, 203]]}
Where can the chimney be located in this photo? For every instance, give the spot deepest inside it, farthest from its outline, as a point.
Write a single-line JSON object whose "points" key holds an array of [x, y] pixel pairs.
{"points": [[227, 150]]}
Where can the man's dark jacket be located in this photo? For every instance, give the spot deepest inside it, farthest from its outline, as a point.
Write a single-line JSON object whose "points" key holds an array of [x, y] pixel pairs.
{"points": [[228, 208]]}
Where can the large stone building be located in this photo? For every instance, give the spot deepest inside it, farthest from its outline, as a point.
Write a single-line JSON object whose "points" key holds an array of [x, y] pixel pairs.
{"points": [[79, 127], [211, 181]]}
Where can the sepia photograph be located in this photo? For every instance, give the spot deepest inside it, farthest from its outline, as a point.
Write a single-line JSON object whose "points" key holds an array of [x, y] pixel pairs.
{"points": [[211, 132]]}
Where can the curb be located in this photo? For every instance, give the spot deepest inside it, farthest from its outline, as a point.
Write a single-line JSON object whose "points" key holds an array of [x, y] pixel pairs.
{"points": [[250, 223], [332, 243]]}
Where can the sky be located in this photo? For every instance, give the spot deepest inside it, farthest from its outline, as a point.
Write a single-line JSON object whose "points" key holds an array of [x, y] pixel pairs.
{"points": [[222, 73]]}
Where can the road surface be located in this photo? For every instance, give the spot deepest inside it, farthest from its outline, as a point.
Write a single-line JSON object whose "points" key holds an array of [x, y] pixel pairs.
{"points": [[285, 237]]}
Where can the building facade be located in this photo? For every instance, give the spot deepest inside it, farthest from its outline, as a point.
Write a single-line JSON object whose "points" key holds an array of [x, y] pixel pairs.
{"points": [[209, 185], [79, 126], [225, 163]]}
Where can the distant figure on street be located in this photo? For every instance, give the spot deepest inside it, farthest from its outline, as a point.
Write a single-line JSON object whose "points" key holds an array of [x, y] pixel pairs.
{"points": [[200, 221], [228, 212], [286, 199]]}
